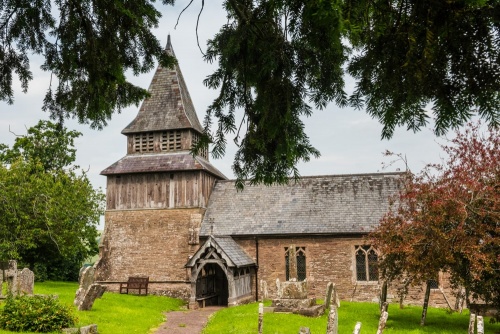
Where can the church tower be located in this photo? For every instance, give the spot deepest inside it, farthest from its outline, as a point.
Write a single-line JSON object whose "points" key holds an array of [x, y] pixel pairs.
{"points": [[157, 194]]}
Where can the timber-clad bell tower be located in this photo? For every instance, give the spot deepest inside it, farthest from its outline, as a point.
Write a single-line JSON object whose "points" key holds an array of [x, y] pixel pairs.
{"points": [[157, 194]]}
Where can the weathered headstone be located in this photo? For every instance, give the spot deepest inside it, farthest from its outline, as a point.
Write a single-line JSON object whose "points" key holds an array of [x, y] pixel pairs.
{"points": [[382, 322], [357, 328], [11, 276], [292, 263], [90, 329], [333, 323], [292, 298], [472, 323], [263, 290], [26, 281], [86, 280], [261, 318], [480, 325], [328, 296], [94, 291], [304, 330]]}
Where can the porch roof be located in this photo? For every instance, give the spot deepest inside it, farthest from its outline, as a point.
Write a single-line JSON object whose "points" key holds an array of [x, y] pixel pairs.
{"points": [[234, 255]]}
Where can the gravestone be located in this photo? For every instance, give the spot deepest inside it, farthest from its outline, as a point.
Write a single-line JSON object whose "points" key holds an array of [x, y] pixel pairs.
{"points": [[328, 296], [90, 329], [11, 276], [86, 280], [304, 330], [26, 281], [292, 296], [94, 291], [88, 290], [263, 290]]}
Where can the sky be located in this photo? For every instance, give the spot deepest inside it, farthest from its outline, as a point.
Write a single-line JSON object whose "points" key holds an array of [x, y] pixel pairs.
{"points": [[349, 140]]}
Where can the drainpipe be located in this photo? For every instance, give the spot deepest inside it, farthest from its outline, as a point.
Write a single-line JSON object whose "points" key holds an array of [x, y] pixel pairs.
{"points": [[256, 269]]}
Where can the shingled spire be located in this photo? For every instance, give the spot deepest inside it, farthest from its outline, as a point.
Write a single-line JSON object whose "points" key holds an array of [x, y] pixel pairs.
{"points": [[165, 129], [169, 107]]}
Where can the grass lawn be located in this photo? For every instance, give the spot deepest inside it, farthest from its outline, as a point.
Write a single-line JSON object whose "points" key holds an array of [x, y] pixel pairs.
{"points": [[244, 319], [123, 314], [114, 313]]}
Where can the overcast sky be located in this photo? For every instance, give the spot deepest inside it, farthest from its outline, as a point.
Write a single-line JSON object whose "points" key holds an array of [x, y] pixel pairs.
{"points": [[349, 140]]}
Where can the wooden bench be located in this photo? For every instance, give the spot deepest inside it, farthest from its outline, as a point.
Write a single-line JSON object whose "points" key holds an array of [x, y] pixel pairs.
{"points": [[203, 299], [135, 283]]}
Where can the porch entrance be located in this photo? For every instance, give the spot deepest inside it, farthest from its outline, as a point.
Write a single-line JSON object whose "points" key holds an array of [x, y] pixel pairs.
{"points": [[212, 286], [221, 274]]}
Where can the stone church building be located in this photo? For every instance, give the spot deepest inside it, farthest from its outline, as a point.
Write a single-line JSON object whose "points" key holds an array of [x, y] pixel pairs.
{"points": [[175, 218]]}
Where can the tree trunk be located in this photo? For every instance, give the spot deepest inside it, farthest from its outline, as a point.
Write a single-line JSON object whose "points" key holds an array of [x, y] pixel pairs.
{"points": [[426, 303], [383, 297]]}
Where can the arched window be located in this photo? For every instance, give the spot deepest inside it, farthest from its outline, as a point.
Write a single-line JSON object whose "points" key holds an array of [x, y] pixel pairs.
{"points": [[300, 255], [366, 263]]}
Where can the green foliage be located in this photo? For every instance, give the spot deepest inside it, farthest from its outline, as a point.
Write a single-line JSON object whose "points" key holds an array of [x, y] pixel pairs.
{"points": [[36, 314], [274, 58], [446, 218], [50, 144], [412, 53], [273, 55], [87, 45], [48, 214]]}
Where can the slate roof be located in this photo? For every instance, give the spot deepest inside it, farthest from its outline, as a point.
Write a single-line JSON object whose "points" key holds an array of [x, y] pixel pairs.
{"points": [[336, 204], [233, 251], [228, 248], [161, 162], [169, 107]]}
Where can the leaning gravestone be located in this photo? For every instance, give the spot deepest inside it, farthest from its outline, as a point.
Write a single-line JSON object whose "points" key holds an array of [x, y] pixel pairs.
{"points": [[25, 281], [86, 280], [95, 291], [88, 290]]}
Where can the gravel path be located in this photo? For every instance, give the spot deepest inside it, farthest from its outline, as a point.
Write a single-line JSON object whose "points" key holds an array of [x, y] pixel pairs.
{"points": [[189, 321]]}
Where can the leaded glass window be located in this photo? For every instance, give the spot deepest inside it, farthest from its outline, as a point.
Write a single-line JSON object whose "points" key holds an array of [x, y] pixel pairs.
{"points": [[300, 255], [366, 263], [433, 283]]}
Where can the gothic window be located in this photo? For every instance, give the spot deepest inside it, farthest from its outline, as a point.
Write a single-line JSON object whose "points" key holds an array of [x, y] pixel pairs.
{"points": [[434, 283], [300, 255], [366, 263]]}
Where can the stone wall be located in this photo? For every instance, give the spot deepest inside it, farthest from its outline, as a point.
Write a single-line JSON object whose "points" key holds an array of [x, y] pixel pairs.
{"points": [[158, 243], [155, 243], [330, 259]]}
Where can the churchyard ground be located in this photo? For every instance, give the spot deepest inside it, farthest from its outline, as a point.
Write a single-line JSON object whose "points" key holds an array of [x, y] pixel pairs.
{"points": [[116, 314]]}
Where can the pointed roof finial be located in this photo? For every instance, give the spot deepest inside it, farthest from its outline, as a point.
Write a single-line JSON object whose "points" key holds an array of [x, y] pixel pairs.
{"points": [[169, 44]]}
